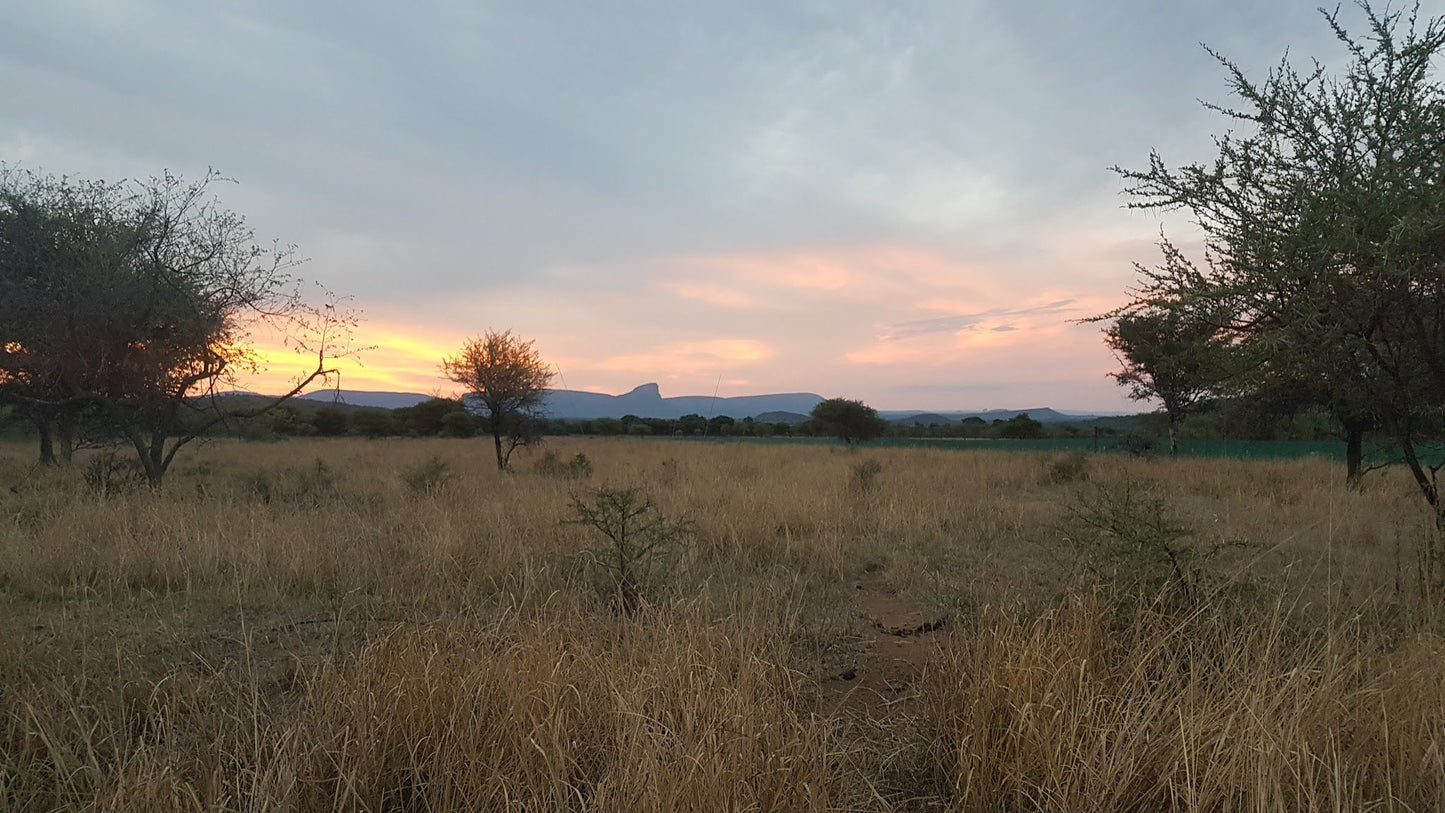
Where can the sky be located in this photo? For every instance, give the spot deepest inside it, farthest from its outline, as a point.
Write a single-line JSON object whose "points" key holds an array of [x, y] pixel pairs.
{"points": [[907, 203]]}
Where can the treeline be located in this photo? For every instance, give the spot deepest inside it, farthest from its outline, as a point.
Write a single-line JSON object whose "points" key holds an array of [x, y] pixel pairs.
{"points": [[446, 417]]}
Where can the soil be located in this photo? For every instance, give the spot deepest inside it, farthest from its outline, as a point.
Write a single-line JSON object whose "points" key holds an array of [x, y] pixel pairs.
{"points": [[894, 640]]}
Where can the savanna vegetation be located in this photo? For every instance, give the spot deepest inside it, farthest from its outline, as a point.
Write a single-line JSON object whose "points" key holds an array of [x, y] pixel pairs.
{"points": [[333, 624], [455, 620]]}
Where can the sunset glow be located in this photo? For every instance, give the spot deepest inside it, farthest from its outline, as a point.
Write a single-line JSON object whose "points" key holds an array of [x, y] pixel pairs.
{"points": [[911, 207]]}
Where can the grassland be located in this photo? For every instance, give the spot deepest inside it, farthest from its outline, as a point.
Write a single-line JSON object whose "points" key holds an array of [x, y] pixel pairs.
{"points": [[295, 627]]}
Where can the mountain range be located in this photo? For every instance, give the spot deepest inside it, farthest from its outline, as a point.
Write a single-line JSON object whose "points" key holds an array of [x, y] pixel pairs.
{"points": [[647, 401]]}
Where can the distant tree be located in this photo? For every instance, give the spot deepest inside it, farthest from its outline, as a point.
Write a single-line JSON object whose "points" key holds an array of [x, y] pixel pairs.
{"points": [[1168, 357], [372, 423], [1021, 427], [427, 418], [692, 424], [507, 379], [608, 426], [330, 422], [458, 425], [720, 425], [849, 421]]}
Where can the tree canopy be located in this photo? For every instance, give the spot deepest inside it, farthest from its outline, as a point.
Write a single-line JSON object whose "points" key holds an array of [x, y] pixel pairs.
{"points": [[507, 379], [135, 302], [849, 421], [1324, 224]]}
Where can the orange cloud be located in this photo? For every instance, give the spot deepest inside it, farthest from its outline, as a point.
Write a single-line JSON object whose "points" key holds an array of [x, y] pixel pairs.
{"points": [[714, 295], [689, 358]]}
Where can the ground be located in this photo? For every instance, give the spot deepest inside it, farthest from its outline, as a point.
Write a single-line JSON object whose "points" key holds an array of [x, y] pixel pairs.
{"points": [[313, 625]]}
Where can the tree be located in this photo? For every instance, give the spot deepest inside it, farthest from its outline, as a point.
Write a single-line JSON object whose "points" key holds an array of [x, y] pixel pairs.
{"points": [[372, 423], [849, 421], [1166, 356], [1021, 427], [508, 380], [330, 422], [1324, 225], [428, 417], [458, 425], [134, 303]]}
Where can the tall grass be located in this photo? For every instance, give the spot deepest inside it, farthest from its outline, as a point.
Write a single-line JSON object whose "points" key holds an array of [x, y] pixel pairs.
{"points": [[296, 627]]}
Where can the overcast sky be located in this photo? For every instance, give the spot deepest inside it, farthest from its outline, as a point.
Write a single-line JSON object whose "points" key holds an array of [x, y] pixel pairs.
{"points": [[902, 202]]}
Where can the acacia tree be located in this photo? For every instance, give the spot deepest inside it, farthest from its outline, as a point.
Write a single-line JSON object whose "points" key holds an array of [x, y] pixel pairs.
{"points": [[1324, 219], [135, 301], [1167, 353], [507, 379], [849, 421]]}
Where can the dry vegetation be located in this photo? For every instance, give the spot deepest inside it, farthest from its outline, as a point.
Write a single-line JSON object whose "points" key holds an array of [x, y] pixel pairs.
{"points": [[393, 625]]}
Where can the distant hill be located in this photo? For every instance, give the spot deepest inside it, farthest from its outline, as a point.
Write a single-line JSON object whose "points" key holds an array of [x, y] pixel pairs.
{"points": [[790, 418], [1040, 414], [385, 400], [646, 401]]}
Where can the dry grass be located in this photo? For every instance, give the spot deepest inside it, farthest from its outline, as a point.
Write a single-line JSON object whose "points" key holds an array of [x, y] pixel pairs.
{"points": [[293, 627]]}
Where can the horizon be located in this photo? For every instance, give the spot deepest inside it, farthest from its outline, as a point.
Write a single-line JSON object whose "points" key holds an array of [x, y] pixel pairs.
{"points": [[315, 394], [758, 198]]}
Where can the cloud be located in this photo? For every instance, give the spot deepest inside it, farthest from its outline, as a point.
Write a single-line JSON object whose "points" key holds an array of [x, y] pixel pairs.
{"points": [[691, 358], [795, 174], [714, 295], [971, 321]]}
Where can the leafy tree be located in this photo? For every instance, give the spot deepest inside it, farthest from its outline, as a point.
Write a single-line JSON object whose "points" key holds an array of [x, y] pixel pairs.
{"points": [[458, 425], [428, 417], [1168, 357], [507, 380], [1021, 427], [849, 421], [719, 425], [330, 422], [608, 426], [372, 423], [1324, 223], [134, 302]]}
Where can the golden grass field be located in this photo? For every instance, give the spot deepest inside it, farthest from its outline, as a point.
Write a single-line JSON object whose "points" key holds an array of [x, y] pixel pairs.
{"points": [[267, 635]]}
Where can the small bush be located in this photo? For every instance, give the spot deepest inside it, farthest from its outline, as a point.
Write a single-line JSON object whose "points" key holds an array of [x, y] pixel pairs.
{"points": [[1068, 468], [307, 486], [641, 544], [110, 473], [550, 465], [865, 476], [1126, 534], [428, 478]]}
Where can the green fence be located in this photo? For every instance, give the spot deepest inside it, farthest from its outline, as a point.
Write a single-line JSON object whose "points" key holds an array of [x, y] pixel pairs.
{"points": [[1239, 449]]}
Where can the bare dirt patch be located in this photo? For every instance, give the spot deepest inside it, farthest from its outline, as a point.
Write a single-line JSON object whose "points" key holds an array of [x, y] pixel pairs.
{"points": [[895, 640]]}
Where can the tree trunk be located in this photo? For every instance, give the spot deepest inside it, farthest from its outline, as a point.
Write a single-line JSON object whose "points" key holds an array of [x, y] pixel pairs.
{"points": [[1424, 478], [1354, 454], [497, 441], [65, 437], [47, 443], [1173, 438]]}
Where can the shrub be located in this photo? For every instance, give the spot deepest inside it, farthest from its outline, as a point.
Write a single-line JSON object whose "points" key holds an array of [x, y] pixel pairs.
{"points": [[865, 476], [550, 465], [1126, 533], [308, 486], [1068, 468], [428, 478], [640, 548], [110, 473]]}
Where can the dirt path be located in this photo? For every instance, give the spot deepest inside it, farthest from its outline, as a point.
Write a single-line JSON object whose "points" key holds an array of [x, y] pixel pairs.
{"points": [[896, 640]]}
